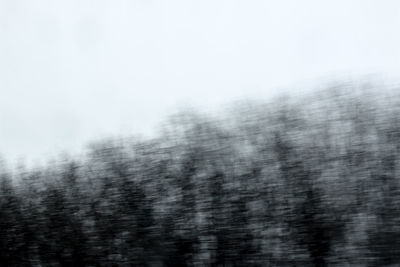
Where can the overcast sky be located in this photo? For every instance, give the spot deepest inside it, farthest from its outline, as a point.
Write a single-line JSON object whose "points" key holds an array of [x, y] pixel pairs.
{"points": [[77, 70]]}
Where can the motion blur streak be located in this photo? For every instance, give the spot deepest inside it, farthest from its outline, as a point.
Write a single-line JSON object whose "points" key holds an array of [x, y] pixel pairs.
{"points": [[306, 181]]}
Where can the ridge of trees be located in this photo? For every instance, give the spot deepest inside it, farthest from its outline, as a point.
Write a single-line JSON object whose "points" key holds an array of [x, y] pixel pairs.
{"points": [[312, 181]]}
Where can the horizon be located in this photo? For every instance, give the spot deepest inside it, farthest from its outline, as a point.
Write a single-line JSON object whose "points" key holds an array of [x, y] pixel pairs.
{"points": [[73, 72]]}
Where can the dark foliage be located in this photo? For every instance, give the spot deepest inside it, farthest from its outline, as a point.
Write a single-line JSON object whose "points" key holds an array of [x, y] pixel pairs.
{"points": [[305, 182]]}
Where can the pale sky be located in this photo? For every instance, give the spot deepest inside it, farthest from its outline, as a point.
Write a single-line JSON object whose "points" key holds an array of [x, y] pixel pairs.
{"points": [[72, 71]]}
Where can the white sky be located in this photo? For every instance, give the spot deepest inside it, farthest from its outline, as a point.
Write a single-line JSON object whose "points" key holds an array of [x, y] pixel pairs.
{"points": [[75, 70]]}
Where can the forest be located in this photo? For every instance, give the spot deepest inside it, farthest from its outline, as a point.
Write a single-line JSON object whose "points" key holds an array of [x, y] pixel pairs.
{"points": [[300, 180]]}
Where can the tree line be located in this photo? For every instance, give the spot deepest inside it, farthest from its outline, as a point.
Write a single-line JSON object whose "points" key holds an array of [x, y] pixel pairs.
{"points": [[302, 181]]}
